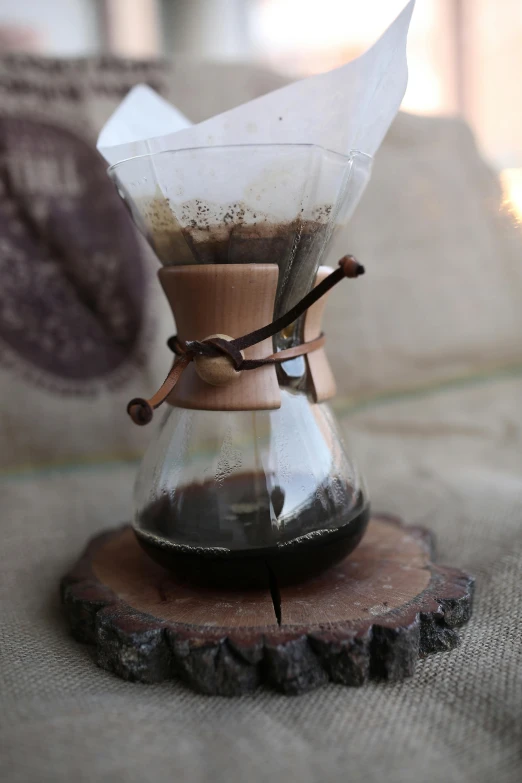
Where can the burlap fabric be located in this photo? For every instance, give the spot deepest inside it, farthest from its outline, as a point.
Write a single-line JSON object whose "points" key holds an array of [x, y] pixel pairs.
{"points": [[427, 351], [83, 323], [449, 460], [443, 295], [79, 322]]}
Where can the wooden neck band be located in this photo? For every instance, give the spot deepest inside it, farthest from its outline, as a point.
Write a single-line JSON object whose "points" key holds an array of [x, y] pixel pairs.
{"points": [[230, 352]]}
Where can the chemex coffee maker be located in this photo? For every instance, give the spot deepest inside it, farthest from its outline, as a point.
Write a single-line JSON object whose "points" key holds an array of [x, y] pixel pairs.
{"points": [[248, 476], [251, 557]]}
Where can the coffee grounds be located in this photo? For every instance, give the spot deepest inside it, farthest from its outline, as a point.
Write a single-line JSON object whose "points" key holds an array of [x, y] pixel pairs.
{"points": [[198, 232]]}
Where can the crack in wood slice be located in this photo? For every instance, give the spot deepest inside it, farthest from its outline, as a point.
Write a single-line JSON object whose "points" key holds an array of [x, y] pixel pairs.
{"points": [[370, 617]]}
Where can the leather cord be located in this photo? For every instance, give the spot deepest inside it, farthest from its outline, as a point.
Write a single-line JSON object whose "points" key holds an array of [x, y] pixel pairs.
{"points": [[185, 349], [141, 410]]}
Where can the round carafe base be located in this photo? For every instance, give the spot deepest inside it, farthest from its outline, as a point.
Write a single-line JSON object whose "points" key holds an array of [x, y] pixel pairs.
{"points": [[295, 561]]}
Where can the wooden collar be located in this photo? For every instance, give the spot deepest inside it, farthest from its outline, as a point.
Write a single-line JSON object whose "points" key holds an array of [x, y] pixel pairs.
{"points": [[219, 360]]}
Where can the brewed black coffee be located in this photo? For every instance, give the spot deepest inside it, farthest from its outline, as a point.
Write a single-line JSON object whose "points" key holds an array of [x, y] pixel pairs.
{"points": [[246, 537]]}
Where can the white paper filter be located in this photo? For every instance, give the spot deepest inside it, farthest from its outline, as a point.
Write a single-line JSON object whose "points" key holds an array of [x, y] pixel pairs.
{"points": [[345, 110], [349, 108]]}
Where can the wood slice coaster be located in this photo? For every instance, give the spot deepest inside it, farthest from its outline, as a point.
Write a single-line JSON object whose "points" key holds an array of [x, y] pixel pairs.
{"points": [[370, 617]]}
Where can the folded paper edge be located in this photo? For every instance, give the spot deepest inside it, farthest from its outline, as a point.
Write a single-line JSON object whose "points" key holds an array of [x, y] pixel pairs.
{"points": [[158, 141]]}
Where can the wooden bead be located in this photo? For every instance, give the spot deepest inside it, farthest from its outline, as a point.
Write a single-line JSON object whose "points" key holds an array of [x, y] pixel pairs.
{"points": [[217, 370], [351, 267]]}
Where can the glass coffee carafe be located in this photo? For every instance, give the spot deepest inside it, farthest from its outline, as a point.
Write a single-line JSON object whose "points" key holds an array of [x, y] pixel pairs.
{"points": [[269, 495]]}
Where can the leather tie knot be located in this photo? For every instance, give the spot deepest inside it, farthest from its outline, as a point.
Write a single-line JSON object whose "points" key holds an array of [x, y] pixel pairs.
{"points": [[219, 359], [216, 358]]}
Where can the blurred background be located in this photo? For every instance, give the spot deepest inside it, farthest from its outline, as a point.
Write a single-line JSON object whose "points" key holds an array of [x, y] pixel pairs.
{"points": [[465, 56]]}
